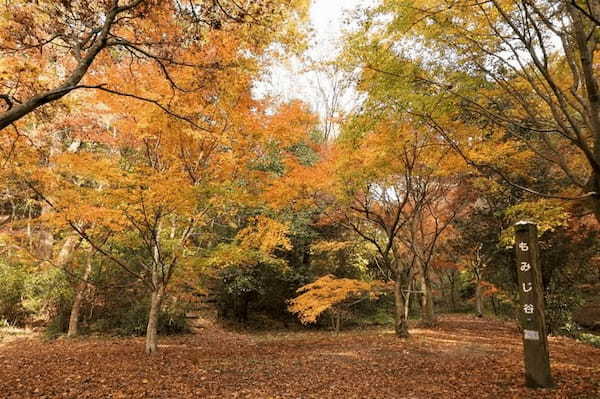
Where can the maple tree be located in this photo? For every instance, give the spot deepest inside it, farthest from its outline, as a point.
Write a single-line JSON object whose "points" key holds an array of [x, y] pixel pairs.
{"points": [[149, 187], [332, 294], [68, 41], [398, 191], [146, 177], [525, 68]]}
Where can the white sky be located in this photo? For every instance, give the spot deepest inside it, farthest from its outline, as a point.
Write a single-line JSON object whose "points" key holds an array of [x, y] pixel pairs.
{"points": [[327, 19], [292, 81]]}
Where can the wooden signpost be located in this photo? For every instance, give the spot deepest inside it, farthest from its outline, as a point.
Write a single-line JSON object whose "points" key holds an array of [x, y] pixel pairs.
{"points": [[531, 309]]}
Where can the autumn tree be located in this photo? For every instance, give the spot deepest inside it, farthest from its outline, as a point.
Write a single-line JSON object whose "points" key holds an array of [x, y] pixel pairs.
{"points": [[144, 176], [334, 295], [391, 189], [51, 48], [524, 68], [434, 204]]}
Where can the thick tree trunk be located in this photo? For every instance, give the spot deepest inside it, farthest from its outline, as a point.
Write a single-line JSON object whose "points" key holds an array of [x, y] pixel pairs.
{"points": [[401, 322], [152, 329], [79, 293], [478, 299]]}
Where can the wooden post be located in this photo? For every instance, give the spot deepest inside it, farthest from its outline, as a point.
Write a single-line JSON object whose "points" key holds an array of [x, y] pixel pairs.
{"points": [[531, 309]]}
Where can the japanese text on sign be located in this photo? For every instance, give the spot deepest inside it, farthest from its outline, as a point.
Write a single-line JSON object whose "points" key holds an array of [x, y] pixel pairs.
{"points": [[523, 246]]}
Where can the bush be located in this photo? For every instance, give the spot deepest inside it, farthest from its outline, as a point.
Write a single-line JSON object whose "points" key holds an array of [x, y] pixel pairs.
{"points": [[590, 339], [47, 296], [11, 291], [559, 313], [134, 320]]}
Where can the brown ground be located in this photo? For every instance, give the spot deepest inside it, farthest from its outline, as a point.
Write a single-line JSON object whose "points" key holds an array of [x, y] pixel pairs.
{"points": [[463, 358]]}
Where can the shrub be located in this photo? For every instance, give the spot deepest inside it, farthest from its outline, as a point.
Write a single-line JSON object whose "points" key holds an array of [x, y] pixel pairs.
{"points": [[134, 320], [590, 339], [11, 291]]}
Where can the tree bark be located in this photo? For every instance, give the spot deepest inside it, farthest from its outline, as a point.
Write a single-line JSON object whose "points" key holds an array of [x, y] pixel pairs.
{"points": [[493, 301], [79, 293], [152, 329], [400, 321], [407, 302], [427, 313], [478, 299], [453, 292]]}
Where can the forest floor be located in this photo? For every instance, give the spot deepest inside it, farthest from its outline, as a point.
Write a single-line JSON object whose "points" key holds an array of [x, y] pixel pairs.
{"points": [[461, 358]]}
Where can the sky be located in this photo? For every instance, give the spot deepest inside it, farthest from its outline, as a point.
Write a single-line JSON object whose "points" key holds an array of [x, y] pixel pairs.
{"points": [[291, 81], [327, 17]]}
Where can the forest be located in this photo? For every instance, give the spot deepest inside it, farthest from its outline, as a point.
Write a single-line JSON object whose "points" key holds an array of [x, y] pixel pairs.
{"points": [[174, 223]]}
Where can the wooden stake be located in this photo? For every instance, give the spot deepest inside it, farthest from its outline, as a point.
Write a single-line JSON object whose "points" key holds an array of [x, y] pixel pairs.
{"points": [[531, 310]]}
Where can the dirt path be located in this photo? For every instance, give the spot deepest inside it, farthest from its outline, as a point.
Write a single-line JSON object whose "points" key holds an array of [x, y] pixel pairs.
{"points": [[463, 358]]}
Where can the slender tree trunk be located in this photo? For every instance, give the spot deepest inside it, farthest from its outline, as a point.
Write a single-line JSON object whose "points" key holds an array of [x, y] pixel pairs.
{"points": [[152, 329], [427, 314], [29, 234], [66, 252], [453, 293], [478, 299], [401, 322], [422, 288], [45, 238], [79, 293], [493, 301], [407, 304]]}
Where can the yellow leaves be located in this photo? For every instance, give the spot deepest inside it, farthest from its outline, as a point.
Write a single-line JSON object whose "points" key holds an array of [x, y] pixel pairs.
{"points": [[502, 153], [253, 245], [291, 124], [265, 235], [230, 255], [330, 246], [89, 215], [548, 214], [169, 190], [328, 291], [101, 168]]}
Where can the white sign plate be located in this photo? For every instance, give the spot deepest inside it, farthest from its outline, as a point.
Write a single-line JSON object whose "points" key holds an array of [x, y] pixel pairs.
{"points": [[532, 335]]}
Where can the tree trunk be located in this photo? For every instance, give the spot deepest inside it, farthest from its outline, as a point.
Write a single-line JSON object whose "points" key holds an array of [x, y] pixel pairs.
{"points": [[401, 322], [453, 292], [407, 304], [79, 293], [427, 314], [493, 301], [152, 329], [478, 299], [45, 239], [429, 318]]}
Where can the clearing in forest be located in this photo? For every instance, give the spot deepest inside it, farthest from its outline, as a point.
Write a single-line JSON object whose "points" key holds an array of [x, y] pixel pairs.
{"points": [[462, 358]]}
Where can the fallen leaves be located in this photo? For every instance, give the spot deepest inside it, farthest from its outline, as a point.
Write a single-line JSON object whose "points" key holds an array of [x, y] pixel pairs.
{"points": [[461, 358]]}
